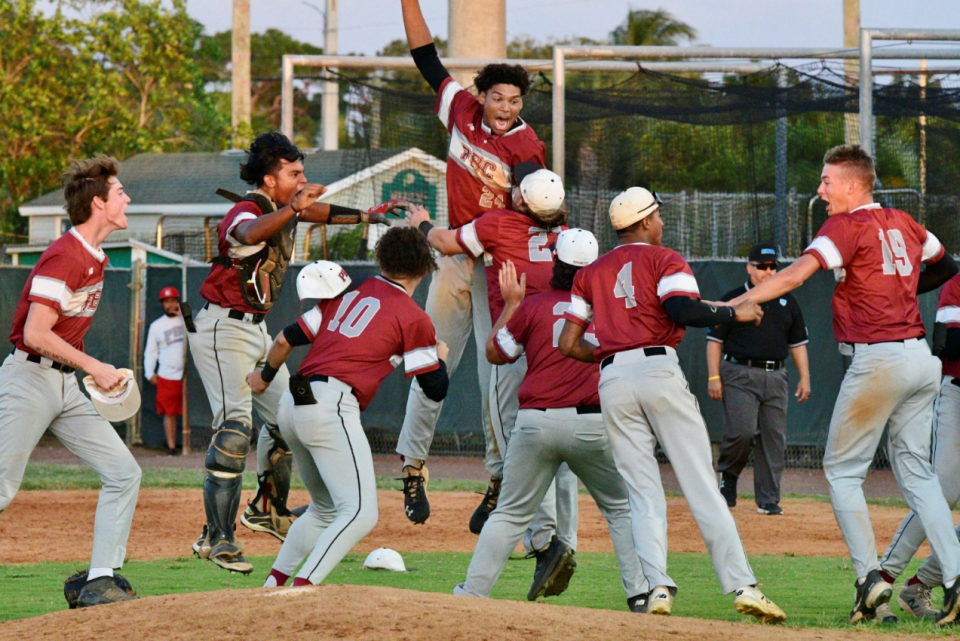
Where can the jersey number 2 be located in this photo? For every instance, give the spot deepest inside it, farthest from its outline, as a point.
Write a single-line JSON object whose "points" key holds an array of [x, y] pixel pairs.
{"points": [[358, 318], [895, 259], [624, 286]]}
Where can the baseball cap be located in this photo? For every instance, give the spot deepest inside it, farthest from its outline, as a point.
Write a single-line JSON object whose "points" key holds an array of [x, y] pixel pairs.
{"points": [[632, 205], [169, 292], [118, 404], [577, 247], [542, 189], [322, 279], [385, 559], [763, 253]]}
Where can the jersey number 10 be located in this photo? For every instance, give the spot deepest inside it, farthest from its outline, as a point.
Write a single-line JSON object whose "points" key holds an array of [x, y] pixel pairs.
{"points": [[358, 318], [895, 259]]}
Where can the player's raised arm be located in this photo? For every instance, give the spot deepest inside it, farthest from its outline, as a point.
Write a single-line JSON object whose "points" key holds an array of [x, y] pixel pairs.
{"points": [[786, 281], [443, 240], [513, 290], [422, 49]]}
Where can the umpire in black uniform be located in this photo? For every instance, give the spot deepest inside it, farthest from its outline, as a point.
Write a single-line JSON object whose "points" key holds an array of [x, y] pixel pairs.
{"points": [[751, 381]]}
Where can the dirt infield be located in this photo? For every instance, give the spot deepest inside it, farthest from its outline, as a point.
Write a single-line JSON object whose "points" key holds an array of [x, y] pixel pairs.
{"points": [[167, 523], [354, 612]]}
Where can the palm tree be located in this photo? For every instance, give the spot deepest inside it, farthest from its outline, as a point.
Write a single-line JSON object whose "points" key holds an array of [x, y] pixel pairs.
{"points": [[643, 27]]}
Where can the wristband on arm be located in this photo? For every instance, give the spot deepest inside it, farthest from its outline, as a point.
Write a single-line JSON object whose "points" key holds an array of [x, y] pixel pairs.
{"points": [[425, 227], [268, 373]]}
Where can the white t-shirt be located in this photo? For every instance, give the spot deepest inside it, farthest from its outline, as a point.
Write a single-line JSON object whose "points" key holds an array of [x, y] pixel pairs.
{"points": [[164, 346]]}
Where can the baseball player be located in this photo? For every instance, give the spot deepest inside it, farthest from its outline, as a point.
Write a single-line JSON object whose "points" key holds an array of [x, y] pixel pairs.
{"points": [[38, 387], [163, 363], [559, 422], [524, 235], [487, 139], [876, 254], [914, 599], [230, 339], [356, 340], [640, 296]]}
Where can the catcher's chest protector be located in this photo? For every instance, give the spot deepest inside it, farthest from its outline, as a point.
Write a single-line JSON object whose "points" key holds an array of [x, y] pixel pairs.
{"points": [[261, 275]]}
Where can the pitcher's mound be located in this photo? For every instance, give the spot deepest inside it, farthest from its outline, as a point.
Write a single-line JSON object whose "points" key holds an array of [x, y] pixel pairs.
{"points": [[358, 612]]}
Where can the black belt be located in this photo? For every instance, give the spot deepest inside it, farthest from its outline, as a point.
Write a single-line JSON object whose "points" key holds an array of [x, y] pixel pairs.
{"points": [[647, 351], [66, 369], [581, 409], [770, 366], [238, 315], [955, 381]]}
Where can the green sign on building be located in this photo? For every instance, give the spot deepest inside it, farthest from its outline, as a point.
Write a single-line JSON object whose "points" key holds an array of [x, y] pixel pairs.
{"points": [[411, 185]]}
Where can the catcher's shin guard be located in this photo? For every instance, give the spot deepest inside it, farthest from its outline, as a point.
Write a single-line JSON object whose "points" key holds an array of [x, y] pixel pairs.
{"points": [[226, 458], [276, 482]]}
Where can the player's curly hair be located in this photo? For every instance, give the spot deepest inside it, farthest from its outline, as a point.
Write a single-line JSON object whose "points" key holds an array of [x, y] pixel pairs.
{"points": [[85, 180], [502, 74], [563, 274], [853, 157], [264, 156], [405, 252]]}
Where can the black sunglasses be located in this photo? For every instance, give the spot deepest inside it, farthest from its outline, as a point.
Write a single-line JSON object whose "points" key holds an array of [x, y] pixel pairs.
{"points": [[656, 202], [765, 266]]}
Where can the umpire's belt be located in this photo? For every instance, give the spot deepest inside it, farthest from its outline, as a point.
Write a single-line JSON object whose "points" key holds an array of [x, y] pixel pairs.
{"points": [[581, 409], [226, 312], [770, 366], [955, 381], [335, 383], [43, 361], [637, 355]]}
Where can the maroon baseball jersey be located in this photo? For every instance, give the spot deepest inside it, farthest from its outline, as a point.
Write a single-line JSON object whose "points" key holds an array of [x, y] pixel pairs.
{"points": [[509, 235], [622, 293], [875, 254], [948, 312], [222, 285], [480, 163], [362, 336], [69, 278], [552, 379]]}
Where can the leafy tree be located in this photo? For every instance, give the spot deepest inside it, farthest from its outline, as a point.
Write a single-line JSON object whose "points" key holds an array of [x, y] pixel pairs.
{"points": [[643, 27]]}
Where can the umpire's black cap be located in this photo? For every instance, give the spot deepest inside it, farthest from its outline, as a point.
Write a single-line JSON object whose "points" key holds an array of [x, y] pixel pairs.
{"points": [[764, 253]]}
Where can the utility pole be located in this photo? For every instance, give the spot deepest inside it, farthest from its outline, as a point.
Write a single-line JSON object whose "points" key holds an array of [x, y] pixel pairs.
{"points": [[851, 40], [240, 58], [330, 103], [477, 30]]}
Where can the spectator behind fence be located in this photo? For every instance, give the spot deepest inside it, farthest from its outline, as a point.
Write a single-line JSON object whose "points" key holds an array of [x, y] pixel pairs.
{"points": [[163, 363]]}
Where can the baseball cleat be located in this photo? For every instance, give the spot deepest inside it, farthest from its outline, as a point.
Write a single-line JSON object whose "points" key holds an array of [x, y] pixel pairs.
{"points": [[639, 603], [885, 614], [229, 556], [102, 591], [950, 614], [487, 505], [415, 503], [751, 601], [555, 567], [728, 488], [872, 592], [770, 508], [915, 601], [201, 548], [660, 601], [271, 522]]}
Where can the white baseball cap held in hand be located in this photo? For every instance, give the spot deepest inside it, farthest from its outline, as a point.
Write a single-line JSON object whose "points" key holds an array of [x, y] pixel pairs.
{"points": [[118, 404]]}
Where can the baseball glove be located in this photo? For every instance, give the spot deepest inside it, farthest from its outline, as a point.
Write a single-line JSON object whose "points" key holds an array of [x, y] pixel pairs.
{"points": [[73, 585], [379, 213]]}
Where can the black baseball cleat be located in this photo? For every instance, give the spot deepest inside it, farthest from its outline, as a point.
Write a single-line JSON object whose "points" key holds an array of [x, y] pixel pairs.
{"points": [[728, 488], [770, 508], [101, 591], [950, 613], [873, 592], [229, 556], [638, 603], [555, 567], [415, 503], [487, 505]]}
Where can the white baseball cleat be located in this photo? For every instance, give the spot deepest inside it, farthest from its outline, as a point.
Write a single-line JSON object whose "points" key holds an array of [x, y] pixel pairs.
{"points": [[660, 601], [751, 601]]}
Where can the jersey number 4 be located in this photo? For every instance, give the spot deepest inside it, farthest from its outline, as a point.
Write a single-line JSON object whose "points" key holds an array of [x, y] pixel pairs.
{"points": [[358, 318], [624, 286], [895, 259]]}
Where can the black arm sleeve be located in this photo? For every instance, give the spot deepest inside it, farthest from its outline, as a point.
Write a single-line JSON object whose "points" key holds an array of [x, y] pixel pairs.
{"points": [[434, 384], [295, 335], [428, 62], [952, 350], [694, 313], [937, 274], [337, 210]]}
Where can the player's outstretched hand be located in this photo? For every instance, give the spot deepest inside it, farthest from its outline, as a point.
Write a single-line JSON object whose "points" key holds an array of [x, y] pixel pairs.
{"points": [[257, 384], [748, 312], [378, 214], [107, 377], [715, 390], [511, 288], [803, 390], [416, 215], [442, 351], [308, 195]]}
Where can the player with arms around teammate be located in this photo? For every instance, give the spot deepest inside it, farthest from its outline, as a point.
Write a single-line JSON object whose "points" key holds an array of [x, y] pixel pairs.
{"points": [[487, 140], [559, 422], [355, 341], [640, 296], [256, 240], [163, 355], [38, 387], [876, 254]]}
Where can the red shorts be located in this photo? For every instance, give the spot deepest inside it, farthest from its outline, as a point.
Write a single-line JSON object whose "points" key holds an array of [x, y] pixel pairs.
{"points": [[169, 397]]}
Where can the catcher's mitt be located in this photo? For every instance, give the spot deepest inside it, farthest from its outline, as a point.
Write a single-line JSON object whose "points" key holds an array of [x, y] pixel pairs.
{"points": [[73, 585]]}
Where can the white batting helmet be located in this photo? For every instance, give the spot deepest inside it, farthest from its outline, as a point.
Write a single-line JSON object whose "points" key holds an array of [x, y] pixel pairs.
{"points": [[577, 247], [632, 205], [322, 280]]}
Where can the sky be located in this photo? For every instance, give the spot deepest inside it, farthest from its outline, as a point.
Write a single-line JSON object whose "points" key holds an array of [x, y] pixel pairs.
{"points": [[367, 25]]}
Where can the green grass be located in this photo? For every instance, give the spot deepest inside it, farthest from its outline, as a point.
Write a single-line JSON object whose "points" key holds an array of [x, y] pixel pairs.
{"points": [[816, 592]]}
